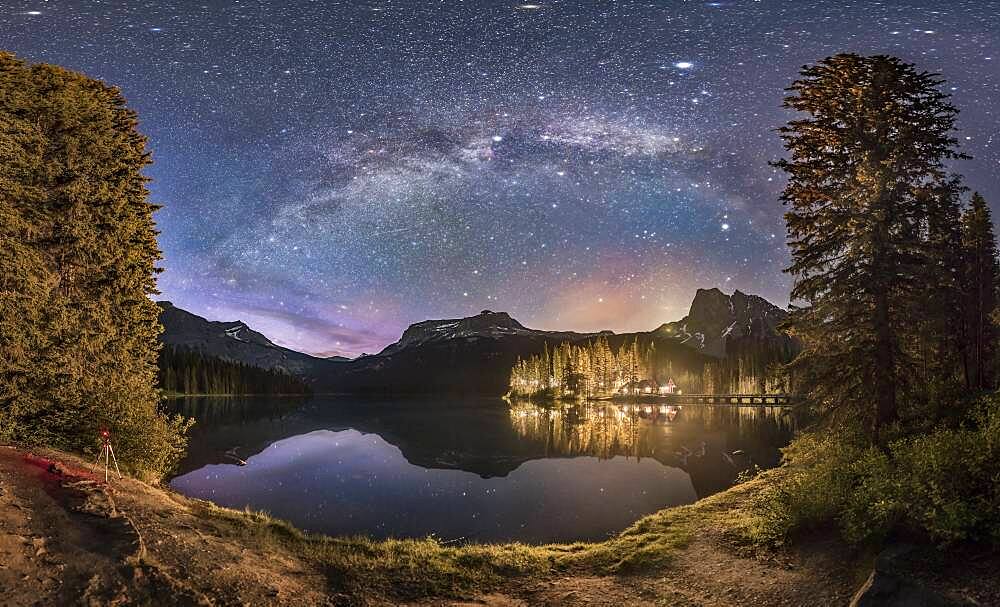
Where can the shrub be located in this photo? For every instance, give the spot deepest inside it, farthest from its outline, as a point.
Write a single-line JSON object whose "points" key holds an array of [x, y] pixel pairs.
{"points": [[945, 483]]}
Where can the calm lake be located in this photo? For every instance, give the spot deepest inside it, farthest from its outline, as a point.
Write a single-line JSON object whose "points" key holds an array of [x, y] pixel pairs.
{"points": [[471, 469]]}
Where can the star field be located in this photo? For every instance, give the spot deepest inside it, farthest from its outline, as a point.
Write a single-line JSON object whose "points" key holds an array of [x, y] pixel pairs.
{"points": [[333, 171]]}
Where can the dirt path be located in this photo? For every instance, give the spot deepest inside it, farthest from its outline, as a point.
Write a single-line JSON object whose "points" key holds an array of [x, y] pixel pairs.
{"points": [[66, 539], [58, 543]]}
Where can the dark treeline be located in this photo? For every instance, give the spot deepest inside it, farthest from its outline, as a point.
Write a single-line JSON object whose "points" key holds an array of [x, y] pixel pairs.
{"points": [[751, 366], [187, 371]]}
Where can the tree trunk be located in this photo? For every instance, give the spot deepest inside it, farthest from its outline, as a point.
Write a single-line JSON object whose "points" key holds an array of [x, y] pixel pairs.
{"points": [[885, 381], [980, 326]]}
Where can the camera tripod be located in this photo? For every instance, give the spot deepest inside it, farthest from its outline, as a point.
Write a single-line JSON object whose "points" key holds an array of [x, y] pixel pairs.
{"points": [[108, 453]]}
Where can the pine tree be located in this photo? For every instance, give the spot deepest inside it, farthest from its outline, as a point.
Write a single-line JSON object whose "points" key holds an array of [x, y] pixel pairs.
{"points": [[25, 279], [79, 340], [979, 294], [873, 144], [939, 342]]}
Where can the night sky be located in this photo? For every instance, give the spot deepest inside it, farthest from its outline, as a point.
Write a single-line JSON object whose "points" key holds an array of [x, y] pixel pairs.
{"points": [[333, 171]]}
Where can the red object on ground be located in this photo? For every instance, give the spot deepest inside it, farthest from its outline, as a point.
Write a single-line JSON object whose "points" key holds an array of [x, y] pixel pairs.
{"points": [[66, 471]]}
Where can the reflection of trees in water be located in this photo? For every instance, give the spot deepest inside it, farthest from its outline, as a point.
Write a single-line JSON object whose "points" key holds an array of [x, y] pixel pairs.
{"points": [[664, 432], [213, 410], [598, 430], [746, 421]]}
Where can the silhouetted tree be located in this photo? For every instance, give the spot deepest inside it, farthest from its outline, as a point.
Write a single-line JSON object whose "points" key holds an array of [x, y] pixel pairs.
{"points": [[939, 340], [979, 294], [863, 164]]}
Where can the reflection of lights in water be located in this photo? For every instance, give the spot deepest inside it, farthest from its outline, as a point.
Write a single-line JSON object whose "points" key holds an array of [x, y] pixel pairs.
{"points": [[607, 430]]}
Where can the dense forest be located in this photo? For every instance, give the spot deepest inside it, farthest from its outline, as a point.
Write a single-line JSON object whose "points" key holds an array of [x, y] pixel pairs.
{"points": [[593, 369], [187, 371]]}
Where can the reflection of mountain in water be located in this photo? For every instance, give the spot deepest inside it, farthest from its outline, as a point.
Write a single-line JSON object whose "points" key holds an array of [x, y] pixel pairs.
{"points": [[490, 438]]}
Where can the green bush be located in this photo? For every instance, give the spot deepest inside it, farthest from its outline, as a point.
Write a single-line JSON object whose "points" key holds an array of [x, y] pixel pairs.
{"points": [[949, 480], [945, 483]]}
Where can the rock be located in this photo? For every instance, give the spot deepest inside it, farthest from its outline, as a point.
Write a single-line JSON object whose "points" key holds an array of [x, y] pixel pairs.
{"points": [[889, 590], [96, 499], [888, 586]]}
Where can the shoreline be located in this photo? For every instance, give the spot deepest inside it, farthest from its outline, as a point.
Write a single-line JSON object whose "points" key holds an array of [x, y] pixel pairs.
{"points": [[378, 572], [157, 543]]}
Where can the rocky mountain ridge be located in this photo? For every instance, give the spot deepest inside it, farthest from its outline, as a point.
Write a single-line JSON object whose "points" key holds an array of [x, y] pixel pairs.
{"points": [[716, 319], [475, 354], [234, 341], [485, 325]]}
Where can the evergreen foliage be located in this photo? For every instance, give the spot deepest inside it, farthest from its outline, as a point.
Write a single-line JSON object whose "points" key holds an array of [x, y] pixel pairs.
{"points": [[939, 338], [899, 287], [78, 330], [187, 371], [867, 194], [979, 290]]}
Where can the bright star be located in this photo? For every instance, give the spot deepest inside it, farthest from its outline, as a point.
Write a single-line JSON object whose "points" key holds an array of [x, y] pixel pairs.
{"points": [[684, 65]]}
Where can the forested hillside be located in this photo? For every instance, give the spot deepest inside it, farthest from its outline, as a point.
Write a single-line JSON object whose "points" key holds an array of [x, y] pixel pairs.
{"points": [[187, 371]]}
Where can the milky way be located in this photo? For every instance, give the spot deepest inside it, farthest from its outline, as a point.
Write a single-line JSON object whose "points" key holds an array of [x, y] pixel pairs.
{"points": [[331, 172]]}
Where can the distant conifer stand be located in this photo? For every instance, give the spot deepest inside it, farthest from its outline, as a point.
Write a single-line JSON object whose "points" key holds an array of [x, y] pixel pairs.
{"points": [[108, 453]]}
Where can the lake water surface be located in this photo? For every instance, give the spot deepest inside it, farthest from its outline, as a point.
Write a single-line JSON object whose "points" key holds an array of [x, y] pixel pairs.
{"points": [[468, 470]]}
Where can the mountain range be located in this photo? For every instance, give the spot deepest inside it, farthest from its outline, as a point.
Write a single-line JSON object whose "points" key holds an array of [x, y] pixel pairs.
{"points": [[233, 341], [474, 355]]}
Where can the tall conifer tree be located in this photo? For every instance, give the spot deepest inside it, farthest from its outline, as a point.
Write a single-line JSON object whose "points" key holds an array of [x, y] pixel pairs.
{"points": [[873, 144], [79, 340], [979, 294], [939, 342]]}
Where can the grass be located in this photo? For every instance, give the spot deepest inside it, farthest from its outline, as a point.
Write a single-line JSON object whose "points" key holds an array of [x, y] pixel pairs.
{"points": [[407, 569], [403, 568]]}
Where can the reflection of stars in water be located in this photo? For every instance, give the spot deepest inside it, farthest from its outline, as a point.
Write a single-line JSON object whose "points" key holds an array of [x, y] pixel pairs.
{"points": [[332, 172]]}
